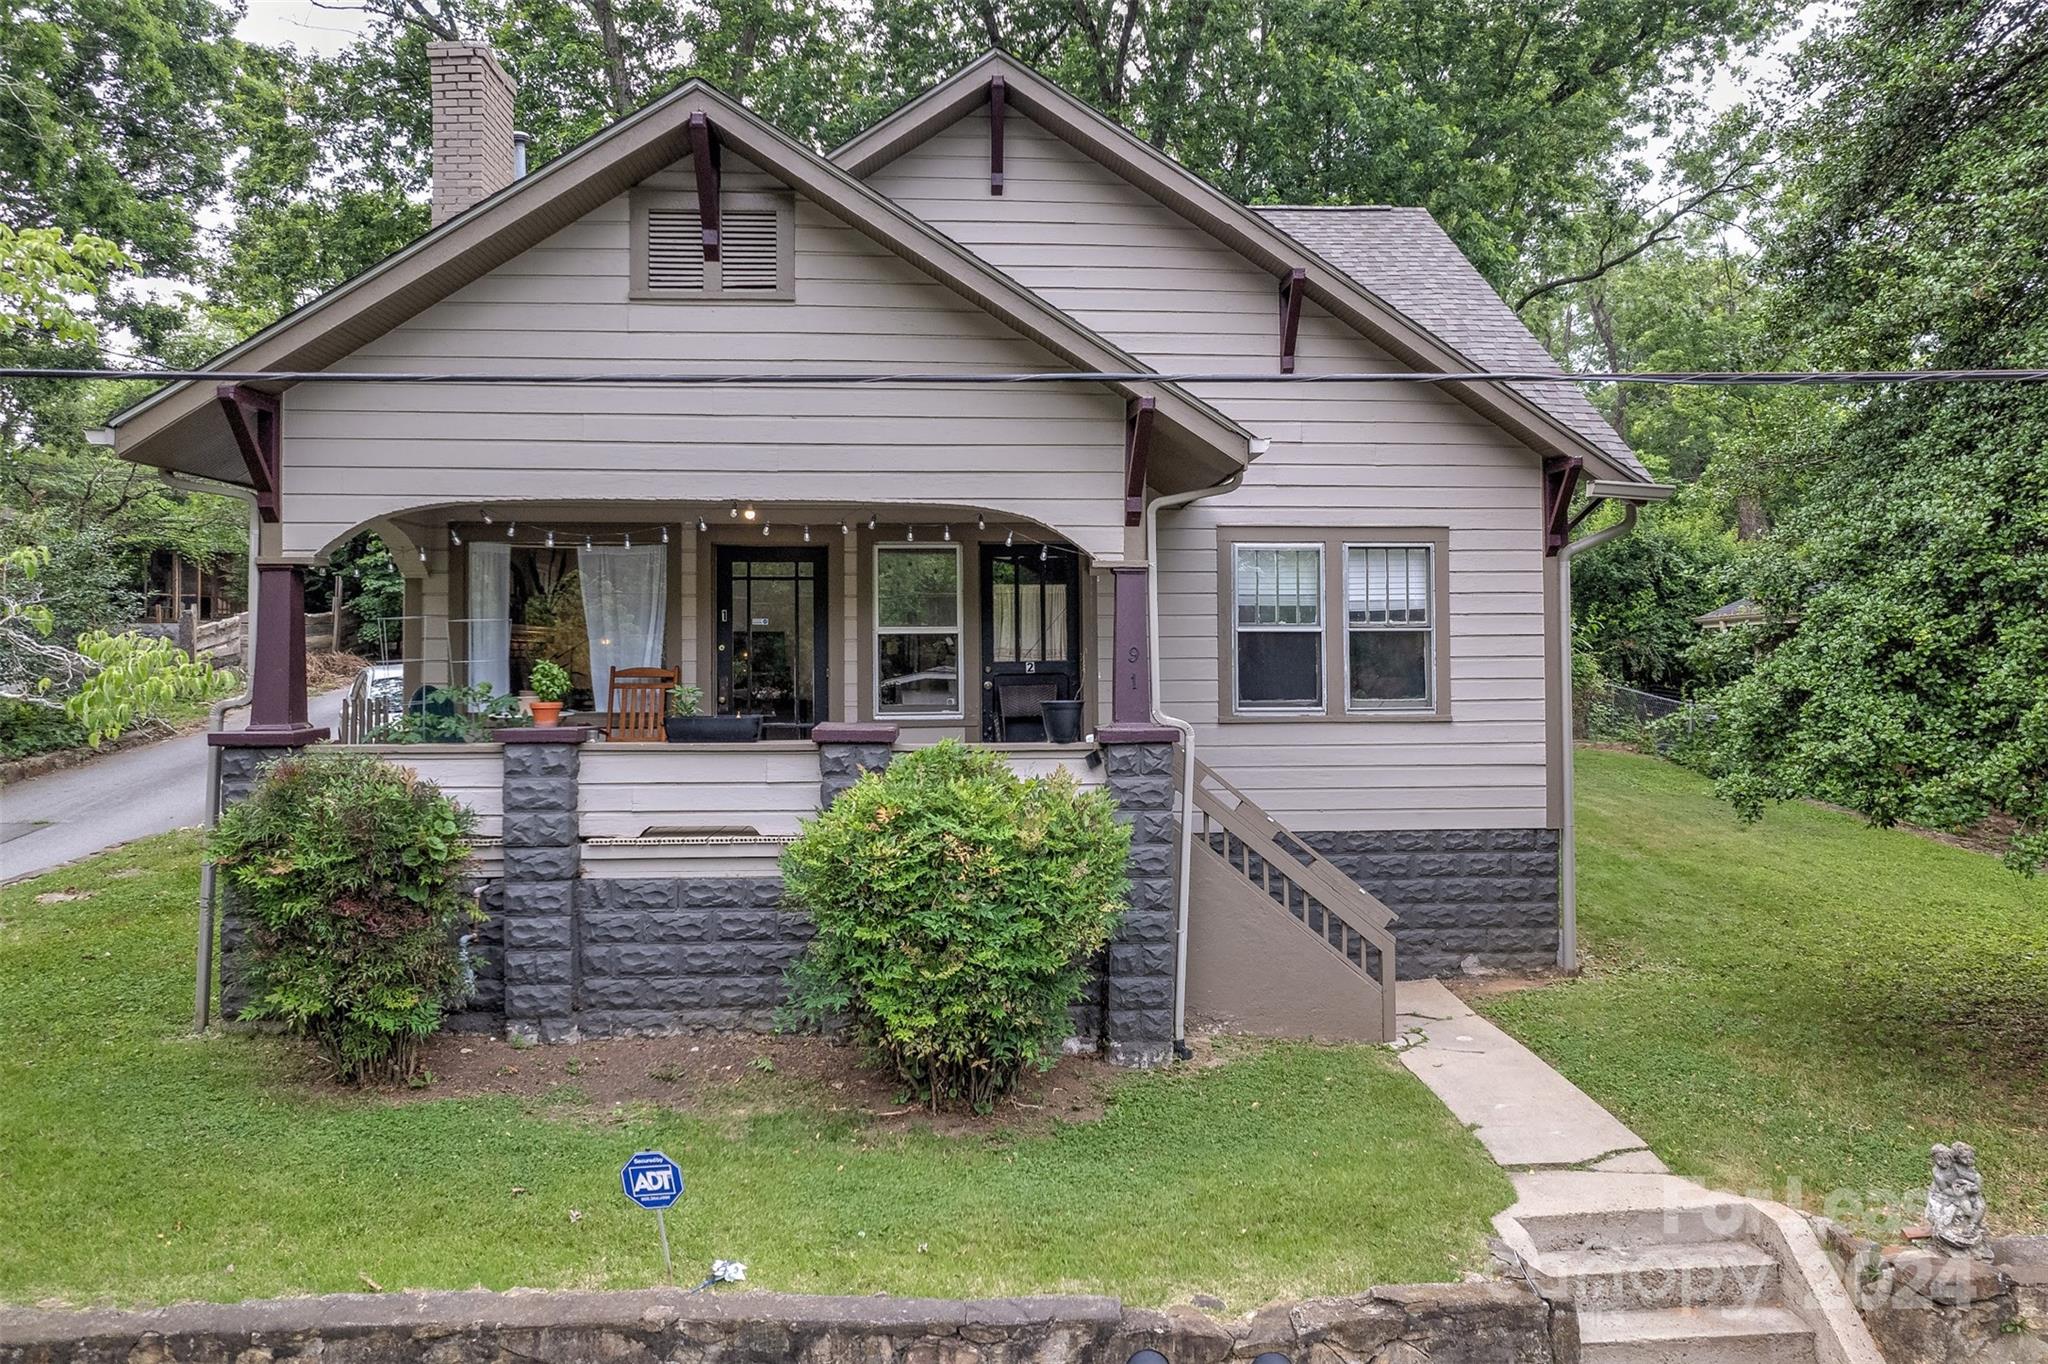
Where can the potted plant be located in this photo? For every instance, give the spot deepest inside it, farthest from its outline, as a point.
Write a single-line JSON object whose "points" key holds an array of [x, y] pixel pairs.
{"points": [[1062, 721], [687, 724], [550, 682]]}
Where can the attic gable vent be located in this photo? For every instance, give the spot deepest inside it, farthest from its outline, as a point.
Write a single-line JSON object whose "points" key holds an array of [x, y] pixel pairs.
{"points": [[756, 258]]}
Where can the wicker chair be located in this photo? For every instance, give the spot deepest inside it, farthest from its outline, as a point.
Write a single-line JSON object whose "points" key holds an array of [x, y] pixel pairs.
{"points": [[637, 703], [1021, 701]]}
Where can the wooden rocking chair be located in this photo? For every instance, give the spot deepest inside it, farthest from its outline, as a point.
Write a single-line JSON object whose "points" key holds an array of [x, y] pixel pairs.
{"points": [[637, 703]]}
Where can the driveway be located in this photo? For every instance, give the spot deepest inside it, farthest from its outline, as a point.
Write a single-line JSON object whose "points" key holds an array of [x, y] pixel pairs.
{"points": [[50, 820]]}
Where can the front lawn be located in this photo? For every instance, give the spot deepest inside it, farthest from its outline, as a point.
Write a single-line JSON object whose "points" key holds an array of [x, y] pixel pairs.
{"points": [[139, 1164], [1803, 1006]]}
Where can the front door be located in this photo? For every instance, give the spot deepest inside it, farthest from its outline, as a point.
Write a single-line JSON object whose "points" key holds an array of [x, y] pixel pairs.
{"points": [[771, 638], [1030, 637]]}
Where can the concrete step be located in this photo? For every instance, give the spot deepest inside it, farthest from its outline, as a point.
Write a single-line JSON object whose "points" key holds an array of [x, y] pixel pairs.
{"points": [[1634, 1278], [1623, 1228], [1696, 1335]]}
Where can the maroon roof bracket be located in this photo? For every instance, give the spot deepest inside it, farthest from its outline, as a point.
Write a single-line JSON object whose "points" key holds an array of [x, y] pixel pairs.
{"points": [[1290, 315], [1137, 450], [996, 94], [253, 418], [704, 157], [1561, 475]]}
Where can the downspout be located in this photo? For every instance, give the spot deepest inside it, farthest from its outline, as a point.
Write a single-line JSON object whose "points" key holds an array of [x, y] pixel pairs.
{"points": [[216, 720], [1187, 739], [1567, 848]]}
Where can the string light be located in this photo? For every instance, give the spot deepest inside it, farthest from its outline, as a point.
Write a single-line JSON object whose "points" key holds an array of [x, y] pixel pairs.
{"points": [[1041, 554], [733, 512], [664, 535], [765, 528], [845, 529], [748, 513], [587, 543], [456, 536], [947, 532], [980, 521], [511, 529], [807, 535], [910, 534], [871, 520], [1009, 538], [551, 539], [487, 518], [423, 553], [629, 541], [701, 527]]}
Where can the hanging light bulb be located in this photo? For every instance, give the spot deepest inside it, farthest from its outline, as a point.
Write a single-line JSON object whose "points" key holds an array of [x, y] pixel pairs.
{"points": [[748, 513], [423, 553], [1009, 538], [807, 535], [487, 518], [871, 520], [701, 527], [910, 534], [947, 532], [664, 535], [629, 539], [845, 529], [587, 544], [511, 529], [733, 512], [1041, 554], [765, 528], [980, 521], [551, 539], [455, 536]]}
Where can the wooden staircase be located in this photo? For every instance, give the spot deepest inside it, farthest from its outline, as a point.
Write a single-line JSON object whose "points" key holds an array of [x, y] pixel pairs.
{"points": [[1280, 941]]}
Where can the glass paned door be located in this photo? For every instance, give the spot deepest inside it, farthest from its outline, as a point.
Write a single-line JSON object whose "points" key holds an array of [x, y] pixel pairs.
{"points": [[772, 651], [1030, 637]]}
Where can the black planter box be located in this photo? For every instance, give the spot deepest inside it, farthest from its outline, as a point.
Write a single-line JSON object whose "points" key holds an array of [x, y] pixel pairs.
{"points": [[1062, 721], [712, 729]]}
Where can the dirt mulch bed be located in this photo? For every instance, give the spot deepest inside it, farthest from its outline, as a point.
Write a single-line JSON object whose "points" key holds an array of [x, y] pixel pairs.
{"points": [[735, 1076], [326, 670]]}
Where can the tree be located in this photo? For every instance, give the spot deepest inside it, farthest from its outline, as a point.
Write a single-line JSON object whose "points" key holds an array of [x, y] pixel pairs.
{"points": [[1912, 679]]}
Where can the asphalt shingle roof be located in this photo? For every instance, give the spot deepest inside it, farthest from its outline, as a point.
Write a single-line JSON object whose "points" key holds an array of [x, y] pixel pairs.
{"points": [[1401, 255]]}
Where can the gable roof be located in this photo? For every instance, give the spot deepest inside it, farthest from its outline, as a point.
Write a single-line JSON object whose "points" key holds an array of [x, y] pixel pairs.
{"points": [[181, 425], [1405, 257], [1458, 332]]}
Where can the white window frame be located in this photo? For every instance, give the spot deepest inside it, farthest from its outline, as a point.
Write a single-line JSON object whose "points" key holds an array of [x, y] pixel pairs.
{"points": [[958, 629], [1427, 703], [1237, 627]]}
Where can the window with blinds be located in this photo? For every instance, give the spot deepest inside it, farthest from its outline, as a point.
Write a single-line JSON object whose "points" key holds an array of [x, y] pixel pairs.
{"points": [[1278, 596], [756, 256], [1390, 627]]}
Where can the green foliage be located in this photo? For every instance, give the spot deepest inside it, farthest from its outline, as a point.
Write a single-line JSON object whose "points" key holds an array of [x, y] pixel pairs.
{"points": [[349, 871], [957, 908], [1634, 600], [374, 591], [27, 729], [549, 680], [135, 679], [685, 700], [454, 715]]}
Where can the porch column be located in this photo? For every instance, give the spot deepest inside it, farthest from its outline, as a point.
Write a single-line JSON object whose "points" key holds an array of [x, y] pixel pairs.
{"points": [[543, 860], [1137, 1026], [1131, 668], [276, 659], [847, 750]]}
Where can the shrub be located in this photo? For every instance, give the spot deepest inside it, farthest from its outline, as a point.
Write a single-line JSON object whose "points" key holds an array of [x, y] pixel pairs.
{"points": [[347, 871], [453, 715], [957, 907]]}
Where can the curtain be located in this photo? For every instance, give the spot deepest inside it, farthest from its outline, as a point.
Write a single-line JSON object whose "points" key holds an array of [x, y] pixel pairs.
{"points": [[625, 606], [490, 616]]}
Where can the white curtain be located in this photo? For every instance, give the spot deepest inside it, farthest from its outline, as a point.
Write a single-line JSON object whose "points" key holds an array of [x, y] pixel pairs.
{"points": [[625, 606], [490, 616]]}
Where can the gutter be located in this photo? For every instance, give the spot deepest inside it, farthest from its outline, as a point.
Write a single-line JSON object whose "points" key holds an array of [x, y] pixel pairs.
{"points": [[1631, 496], [1187, 740], [216, 720]]}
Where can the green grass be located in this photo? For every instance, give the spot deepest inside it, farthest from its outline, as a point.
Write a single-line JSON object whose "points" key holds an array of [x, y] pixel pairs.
{"points": [[140, 1164], [1802, 1006]]}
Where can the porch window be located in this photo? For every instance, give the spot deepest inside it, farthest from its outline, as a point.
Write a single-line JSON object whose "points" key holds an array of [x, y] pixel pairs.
{"points": [[1278, 620], [917, 630], [1390, 627]]}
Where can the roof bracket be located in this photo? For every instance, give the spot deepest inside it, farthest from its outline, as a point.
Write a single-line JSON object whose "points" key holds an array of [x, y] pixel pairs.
{"points": [[1137, 451], [704, 157], [996, 94], [1561, 475], [1290, 315], [253, 417]]}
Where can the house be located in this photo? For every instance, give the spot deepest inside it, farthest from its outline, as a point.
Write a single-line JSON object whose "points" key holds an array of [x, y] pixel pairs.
{"points": [[1322, 620]]}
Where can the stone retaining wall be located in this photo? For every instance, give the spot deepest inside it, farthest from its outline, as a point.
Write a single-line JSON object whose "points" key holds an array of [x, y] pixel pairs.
{"points": [[1924, 1307], [1481, 1323], [1483, 896]]}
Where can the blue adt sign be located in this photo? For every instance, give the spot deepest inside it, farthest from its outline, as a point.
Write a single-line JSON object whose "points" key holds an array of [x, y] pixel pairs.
{"points": [[652, 1180]]}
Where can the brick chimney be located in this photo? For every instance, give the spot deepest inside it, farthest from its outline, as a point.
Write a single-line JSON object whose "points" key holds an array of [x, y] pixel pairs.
{"points": [[473, 154]]}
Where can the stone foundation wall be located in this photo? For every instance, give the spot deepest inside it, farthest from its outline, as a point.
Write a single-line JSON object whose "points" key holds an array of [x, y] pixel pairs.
{"points": [[1924, 1307], [1483, 897], [662, 955], [1481, 1323]]}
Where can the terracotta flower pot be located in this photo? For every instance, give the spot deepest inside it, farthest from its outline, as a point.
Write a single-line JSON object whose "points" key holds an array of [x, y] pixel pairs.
{"points": [[547, 713]]}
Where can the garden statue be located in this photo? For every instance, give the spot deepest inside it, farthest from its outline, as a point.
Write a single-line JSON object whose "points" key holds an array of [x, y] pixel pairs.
{"points": [[1955, 1200]]}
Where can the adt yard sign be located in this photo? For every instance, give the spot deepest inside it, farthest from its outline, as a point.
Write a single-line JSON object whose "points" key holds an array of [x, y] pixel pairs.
{"points": [[652, 1180]]}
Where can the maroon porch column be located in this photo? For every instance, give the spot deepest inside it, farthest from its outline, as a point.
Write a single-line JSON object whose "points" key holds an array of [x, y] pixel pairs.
{"points": [[1131, 669], [276, 659]]}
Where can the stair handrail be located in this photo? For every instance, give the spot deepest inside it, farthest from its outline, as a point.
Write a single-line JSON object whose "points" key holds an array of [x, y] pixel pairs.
{"points": [[1352, 905]]}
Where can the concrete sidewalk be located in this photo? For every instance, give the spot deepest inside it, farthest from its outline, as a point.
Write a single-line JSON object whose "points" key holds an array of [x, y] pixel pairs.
{"points": [[1526, 1115]]}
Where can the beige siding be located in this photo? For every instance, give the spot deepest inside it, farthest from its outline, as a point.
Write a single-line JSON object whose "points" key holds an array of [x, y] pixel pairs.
{"points": [[355, 452], [1154, 283], [628, 789], [472, 775]]}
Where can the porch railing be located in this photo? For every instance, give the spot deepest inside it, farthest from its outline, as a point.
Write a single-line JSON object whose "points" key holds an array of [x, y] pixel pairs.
{"points": [[1288, 874]]}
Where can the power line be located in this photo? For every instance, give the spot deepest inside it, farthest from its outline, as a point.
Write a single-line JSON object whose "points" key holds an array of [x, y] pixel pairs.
{"points": [[798, 379]]}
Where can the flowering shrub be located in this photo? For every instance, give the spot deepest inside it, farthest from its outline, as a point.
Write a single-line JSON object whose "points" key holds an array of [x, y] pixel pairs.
{"points": [[957, 907], [348, 871]]}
